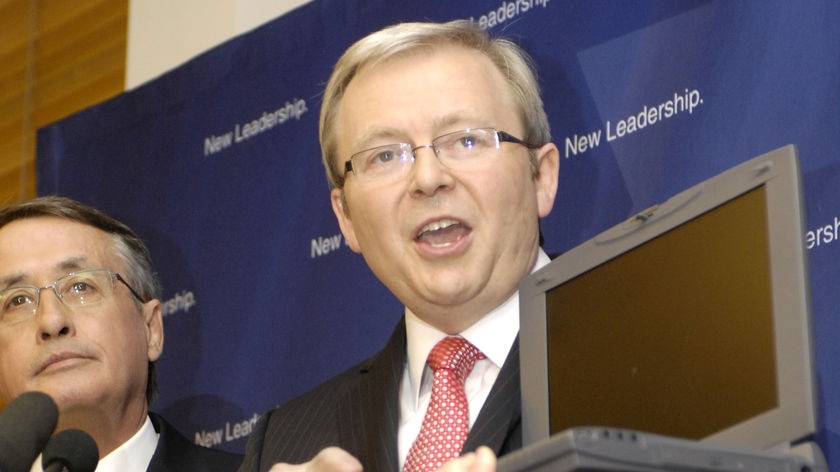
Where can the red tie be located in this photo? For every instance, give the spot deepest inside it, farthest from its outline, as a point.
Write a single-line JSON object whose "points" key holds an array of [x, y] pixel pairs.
{"points": [[446, 423]]}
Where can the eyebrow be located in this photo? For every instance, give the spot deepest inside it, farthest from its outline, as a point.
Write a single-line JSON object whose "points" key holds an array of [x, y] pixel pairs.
{"points": [[365, 140], [68, 265]]}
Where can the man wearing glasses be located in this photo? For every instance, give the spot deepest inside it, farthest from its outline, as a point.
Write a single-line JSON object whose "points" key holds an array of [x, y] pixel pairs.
{"points": [[80, 320], [439, 153]]}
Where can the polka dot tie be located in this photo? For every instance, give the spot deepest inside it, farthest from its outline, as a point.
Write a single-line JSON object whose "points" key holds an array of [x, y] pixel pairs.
{"points": [[446, 423]]}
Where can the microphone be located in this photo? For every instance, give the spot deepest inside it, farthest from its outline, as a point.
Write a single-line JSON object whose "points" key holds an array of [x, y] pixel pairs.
{"points": [[25, 426], [71, 450]]}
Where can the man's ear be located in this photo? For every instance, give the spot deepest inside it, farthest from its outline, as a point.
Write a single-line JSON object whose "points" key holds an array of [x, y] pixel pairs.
{"points": [[546, 178], [342, 214], [153, 320]]}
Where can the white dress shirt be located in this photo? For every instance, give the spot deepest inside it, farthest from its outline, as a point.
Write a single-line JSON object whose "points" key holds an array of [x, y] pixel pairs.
{"points": [[133, 455], [493, 335]]}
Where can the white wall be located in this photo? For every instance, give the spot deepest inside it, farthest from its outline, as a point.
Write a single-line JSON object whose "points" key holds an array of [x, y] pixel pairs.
{"points": [[163, 34]]}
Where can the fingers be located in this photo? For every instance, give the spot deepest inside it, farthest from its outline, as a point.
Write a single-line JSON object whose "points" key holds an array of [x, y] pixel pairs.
{"points": [[331, 459], [482, 460], [334, 459], [485, 460], [283, 467]]}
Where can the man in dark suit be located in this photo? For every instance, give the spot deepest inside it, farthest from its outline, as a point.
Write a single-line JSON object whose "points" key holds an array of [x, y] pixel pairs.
{"points": [[81, 320], [439, 153]]}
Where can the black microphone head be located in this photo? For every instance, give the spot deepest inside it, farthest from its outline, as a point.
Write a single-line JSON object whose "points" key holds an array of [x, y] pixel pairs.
{"points": [[74, 449], [25, 426]]}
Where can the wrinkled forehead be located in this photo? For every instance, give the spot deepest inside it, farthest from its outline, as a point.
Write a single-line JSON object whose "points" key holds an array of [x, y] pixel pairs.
{"points": [[33, 249]]}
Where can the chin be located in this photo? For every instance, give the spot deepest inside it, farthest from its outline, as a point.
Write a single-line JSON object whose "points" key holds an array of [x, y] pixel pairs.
{"points": [[69, 395]]}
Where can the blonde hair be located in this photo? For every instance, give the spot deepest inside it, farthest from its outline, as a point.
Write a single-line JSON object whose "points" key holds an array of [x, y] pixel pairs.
{"points": [[512, 61]]}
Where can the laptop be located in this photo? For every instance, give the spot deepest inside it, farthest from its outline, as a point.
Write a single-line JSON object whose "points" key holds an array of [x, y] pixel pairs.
{"points": [[680, 339]]}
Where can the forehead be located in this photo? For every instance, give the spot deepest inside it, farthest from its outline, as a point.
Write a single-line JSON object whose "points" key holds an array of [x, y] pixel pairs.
{"points": [[43, 246], [428, 90]]}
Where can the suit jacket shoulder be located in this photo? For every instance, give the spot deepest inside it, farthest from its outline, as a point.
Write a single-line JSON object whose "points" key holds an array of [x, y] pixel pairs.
{"points": [[356, 411], [175, 453]]}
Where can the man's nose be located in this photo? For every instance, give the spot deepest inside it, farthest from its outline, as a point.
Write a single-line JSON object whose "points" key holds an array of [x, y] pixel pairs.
{"points": [[52, 315]]}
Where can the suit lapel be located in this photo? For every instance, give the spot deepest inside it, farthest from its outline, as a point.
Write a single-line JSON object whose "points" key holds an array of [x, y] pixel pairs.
{"points": [[498, 424]]}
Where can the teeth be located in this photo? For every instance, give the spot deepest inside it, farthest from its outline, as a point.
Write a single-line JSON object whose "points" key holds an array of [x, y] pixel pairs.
{"points": [[438, 225]]}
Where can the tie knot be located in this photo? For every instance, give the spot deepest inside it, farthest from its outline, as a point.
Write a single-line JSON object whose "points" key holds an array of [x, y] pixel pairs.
{"points": [[456, 354]]}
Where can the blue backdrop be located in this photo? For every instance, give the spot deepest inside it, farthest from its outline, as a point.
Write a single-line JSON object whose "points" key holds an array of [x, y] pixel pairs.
{"points": [[217, 165]]}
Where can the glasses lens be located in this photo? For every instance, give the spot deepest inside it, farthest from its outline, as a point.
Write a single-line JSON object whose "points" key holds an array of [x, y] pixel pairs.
{"points": [[382, 161], [467, 144], [17, 303], [85, 288]]}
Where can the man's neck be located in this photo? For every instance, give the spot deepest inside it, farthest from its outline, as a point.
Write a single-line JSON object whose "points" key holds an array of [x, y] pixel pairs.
{"points": [[107, 429]]}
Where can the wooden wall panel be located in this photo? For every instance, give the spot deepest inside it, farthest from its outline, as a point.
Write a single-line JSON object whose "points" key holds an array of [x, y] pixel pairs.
{"points": [[56, 57]]}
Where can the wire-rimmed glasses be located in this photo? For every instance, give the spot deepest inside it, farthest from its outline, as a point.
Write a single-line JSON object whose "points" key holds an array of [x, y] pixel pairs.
{"points": [[391, 161], [77, 289]]}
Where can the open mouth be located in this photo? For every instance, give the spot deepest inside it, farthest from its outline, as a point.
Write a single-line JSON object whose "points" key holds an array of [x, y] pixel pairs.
{"points": [[442, 233]]}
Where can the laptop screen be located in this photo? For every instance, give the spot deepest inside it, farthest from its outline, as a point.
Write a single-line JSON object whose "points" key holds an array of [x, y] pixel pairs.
{"points": [[674, 337], [690, 319]]}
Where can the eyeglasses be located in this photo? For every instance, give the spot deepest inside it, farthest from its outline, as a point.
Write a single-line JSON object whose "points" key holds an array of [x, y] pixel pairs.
{"points": [[76, 289], [391, 161]]}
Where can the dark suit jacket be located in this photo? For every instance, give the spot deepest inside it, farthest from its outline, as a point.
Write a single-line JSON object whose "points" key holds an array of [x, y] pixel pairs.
{"points": [[358, 411], [175, 453]]}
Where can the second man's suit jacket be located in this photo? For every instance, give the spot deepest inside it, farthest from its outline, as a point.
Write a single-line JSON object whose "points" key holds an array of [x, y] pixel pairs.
{"points": [[358, 411], [175, 453]]}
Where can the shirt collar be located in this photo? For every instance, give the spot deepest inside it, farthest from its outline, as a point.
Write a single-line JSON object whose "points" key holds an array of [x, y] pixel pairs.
{"points": [[493, 334], [134, 454]]}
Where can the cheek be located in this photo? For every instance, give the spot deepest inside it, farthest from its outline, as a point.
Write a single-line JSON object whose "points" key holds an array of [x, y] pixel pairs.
{"points": [[512, 205], [374, 216], [130, 342], [14, 360], [512, 191], [120, 339]]}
